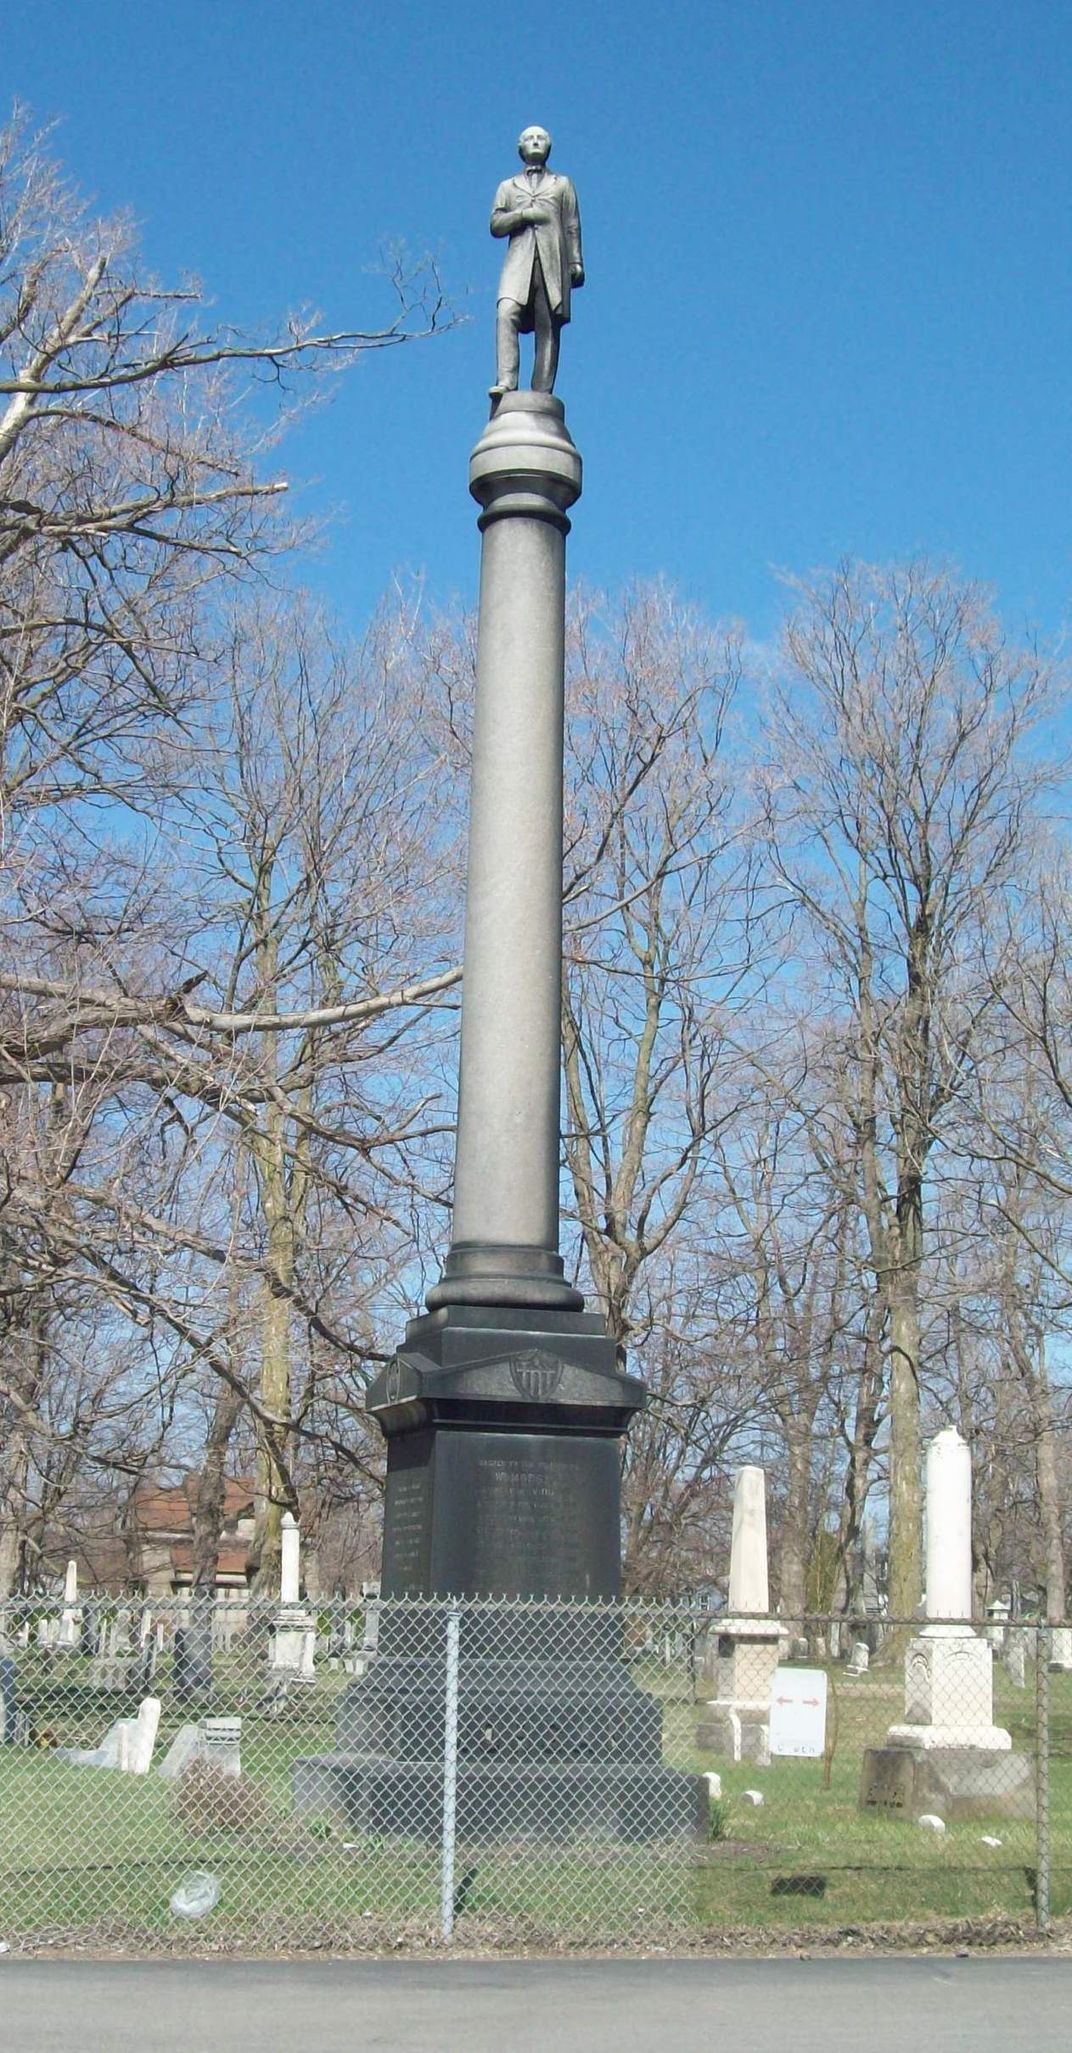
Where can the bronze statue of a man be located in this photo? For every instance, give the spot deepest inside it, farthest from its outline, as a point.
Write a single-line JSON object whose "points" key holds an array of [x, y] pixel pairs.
{"points": [[538, 211]]}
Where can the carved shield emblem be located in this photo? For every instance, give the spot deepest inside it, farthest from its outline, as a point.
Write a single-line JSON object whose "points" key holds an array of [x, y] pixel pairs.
{"points": [[535, 1376]]}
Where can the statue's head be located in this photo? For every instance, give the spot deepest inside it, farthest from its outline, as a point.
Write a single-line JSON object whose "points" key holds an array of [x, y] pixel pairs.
{"points": [[534, 146]]}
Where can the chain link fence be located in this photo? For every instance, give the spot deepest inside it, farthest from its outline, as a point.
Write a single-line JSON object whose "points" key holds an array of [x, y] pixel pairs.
{"points": [[405, 1774]]}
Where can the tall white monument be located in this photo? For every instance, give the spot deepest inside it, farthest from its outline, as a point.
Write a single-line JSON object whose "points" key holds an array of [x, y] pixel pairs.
{"points": [[293, 1643], [947, 1757], [949, 1667], [70, 1628], [748, 1645]]}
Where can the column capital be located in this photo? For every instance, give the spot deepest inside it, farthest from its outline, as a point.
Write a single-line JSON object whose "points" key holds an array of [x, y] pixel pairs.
{"points": [[526, 462]]}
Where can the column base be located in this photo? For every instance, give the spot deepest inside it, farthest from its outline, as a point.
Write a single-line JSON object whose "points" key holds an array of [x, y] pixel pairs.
{"points": [[513, 1278], [949, 1681], [503, 1426], [554, 1804]]}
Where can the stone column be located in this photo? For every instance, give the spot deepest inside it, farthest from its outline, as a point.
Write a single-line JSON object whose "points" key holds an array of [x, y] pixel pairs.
{"points": [[525, 472], [949, 1536], [289, 1560], [505, 1406], [749, 1582]]}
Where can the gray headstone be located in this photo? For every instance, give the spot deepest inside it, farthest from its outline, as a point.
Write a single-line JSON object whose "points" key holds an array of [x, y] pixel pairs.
{"points": [[193, 1660], [185, 1748]]}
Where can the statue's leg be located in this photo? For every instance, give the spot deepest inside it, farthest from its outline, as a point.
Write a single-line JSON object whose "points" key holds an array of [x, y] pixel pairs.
{"points": [[545, 366], [507, 347]]}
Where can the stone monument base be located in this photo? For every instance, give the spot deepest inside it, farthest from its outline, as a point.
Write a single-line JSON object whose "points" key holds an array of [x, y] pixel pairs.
{"points": [[736, 1723], [293, 1645], [941, 1739], [949, 1684], [953, 1781], [503, 1485], [548, 1748], [550, 1803]]}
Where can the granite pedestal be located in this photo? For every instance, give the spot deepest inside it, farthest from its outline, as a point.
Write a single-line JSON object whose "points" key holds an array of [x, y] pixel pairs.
{"points": [[503, 1433]]}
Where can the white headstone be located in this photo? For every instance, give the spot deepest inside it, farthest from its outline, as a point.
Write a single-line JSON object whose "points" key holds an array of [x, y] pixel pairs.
{"points": [[949, 1550], [749, 1587], [70, 1622], [371, 1638], [289, 1560], [143, 1736], [1016, 1657], [798, 1713]]}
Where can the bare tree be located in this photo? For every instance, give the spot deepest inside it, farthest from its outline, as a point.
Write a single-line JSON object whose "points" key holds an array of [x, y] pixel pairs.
{"points": [[899, 798], [135, 505]]}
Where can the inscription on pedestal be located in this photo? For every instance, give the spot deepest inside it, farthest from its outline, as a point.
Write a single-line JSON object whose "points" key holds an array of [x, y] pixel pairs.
{"points": [[524, 1515], [407, 1521], [502, 1515], [531, 1515]]}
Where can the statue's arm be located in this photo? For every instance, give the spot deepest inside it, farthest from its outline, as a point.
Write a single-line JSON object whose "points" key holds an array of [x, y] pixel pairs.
{"points": [[509, 212], [571, 229]]}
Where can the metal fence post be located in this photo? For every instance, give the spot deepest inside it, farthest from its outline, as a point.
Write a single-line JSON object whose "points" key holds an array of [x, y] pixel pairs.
{"points": [[1042, 1778], [450, 1777]]}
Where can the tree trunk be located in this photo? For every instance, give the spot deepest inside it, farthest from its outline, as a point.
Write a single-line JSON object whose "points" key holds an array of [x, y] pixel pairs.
{"points": [[208, 1508], [797, 1425], [1049, 1495], [906, 1485]]}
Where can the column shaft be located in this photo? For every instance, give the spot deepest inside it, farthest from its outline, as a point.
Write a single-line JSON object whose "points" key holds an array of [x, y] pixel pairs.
{"points": [[504, 1250], [506, 1186]]}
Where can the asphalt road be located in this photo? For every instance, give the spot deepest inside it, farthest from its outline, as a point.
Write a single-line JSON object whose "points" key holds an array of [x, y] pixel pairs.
{"points": [[612, 2006]]}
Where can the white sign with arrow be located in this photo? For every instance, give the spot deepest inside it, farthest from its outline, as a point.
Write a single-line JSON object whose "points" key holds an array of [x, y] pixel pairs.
{"points": [[798, 1713]]}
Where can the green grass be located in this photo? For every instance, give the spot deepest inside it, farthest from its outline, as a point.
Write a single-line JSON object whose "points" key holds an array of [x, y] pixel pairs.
{"points": [[82, 1851]]}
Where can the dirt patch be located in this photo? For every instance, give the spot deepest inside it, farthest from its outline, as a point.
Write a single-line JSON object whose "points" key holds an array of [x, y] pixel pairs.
{"points": [[522, 1940]]}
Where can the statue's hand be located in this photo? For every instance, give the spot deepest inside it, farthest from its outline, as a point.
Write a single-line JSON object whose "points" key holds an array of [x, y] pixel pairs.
{"points": [[535, 215], [576, 275]]}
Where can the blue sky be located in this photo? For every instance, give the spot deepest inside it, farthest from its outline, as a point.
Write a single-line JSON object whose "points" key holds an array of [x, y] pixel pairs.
{"points": [[829, 299]]}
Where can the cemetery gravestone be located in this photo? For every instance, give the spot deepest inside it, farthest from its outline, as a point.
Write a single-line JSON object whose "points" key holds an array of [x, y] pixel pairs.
{"points": [[748, 1641], [963, 1763]]}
